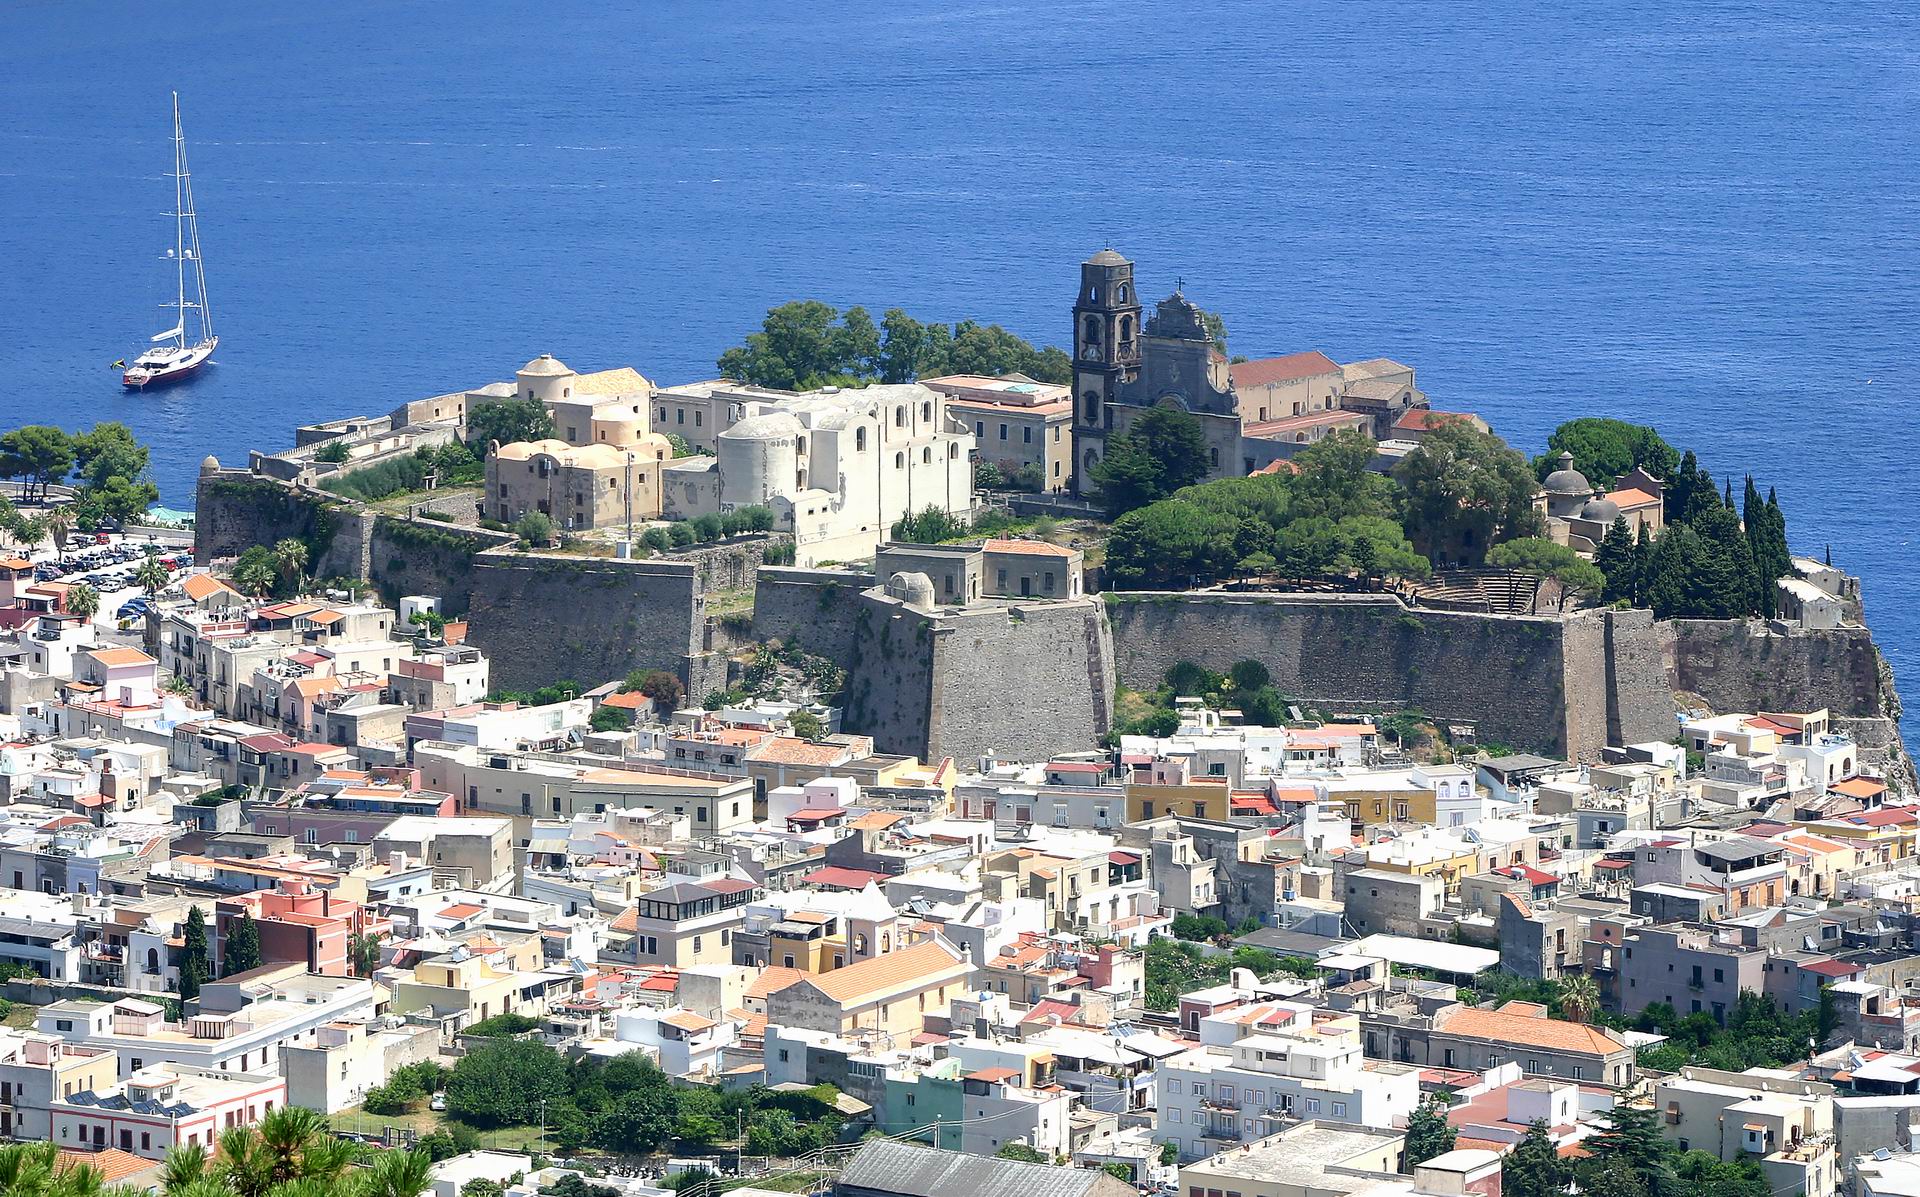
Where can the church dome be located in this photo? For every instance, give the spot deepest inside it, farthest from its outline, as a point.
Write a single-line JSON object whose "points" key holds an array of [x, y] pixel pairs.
{"points": [[1566, 480], [1600, 509], [1105, 257], [209, 464], [544, 366], [767, 426]]}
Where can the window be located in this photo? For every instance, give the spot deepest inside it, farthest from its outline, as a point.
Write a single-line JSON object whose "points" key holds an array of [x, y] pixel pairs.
{"points": [[1026, 434], [783, 1055], [860, 440], [980, 429], [900, 416], [1339, 1109], [1003, 432]]}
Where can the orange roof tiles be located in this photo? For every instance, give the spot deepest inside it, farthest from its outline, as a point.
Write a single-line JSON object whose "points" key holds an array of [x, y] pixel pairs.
{"points": [[1026, 548], [773, 979], [200, 586], [1290, 368], [1859, 787], [1631, 497], [462, 910], [113, 1164], [928, 962], [790, 750], [628, 919], [687, 1020], [1508, 1025], [120, 656]]}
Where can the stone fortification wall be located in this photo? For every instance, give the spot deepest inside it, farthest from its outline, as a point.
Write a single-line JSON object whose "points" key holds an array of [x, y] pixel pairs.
{"points": [[1505, 674], [889, 692], [427, 557], [235, 510], [817, 607], [544, 617], [1639, 663], [1747, 665], [1025, 679]]}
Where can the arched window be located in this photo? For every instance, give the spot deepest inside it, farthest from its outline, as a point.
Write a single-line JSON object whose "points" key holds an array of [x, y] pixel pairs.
{"points": [[926, 411], [926, 455], [886, 941], [899, 461], [1092, 333], [860, 440], [1090, 402], [1299, 438], [1126, 293], [953, 452], [900, 416], [1126, 328], [1091, 459], [153, 960], [859, 945]]}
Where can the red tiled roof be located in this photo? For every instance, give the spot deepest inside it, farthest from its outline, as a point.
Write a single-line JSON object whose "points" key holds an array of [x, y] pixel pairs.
{"points": [[461, 910], [1859, 787], [1421, 419], [1831, 968], [838, 877], [1076, 766], [1123, 858], [1290, 368], [1532, 876]]}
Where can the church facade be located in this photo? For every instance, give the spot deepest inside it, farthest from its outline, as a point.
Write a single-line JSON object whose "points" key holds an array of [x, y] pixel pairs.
{"points": [[1124, 367]]}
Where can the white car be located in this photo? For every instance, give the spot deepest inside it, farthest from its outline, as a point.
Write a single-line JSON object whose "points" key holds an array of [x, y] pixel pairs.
{"points": [[439, 1102]]}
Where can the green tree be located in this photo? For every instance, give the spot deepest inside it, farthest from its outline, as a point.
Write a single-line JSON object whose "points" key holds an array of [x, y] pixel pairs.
{"points": [[930, 526], [535, 529], [1249, 675], [59, 522], [639, 1120], [1534, 1167], [507, 422], [806, 724], [1604, 449], [505, 1082], [290, 562], [1428, 1133], [195, 963], [256, 571], [29, 531], [1465, 491], [1579, 998], [1171, 544], [1216, 328], [607, 718], [151, 576], [1546, 559], [1614, 557], [1020, 1151], [39, 453], [1690, 492], [363, 953], [242, 946], [82, 600], [1169, 1153], [108, 450], [1159, 453], [120, 500], [1630, 1134], [334, 452]]}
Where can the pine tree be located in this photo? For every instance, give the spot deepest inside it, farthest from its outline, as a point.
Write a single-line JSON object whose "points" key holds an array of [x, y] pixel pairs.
{"points": [[1759, 531], [194, 969], [242, 948], [1615, 559], [1428, 1133], [1534, 1167], [1730, 562], [1680, 489], [1631, 1137]]}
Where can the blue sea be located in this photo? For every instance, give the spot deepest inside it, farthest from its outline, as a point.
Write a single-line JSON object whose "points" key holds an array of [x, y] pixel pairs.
{"points": [[1699, 216]]}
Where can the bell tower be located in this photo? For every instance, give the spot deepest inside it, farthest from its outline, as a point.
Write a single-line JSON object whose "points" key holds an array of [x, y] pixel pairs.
{"points": [[1106, 353]]}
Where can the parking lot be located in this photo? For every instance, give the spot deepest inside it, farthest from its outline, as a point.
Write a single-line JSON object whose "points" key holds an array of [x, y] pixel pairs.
{"points": [[107, 562]]}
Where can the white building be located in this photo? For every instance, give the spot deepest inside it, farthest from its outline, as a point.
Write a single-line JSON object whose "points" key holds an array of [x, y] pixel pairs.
{"points": [[157, 1107], [347, 1058], [241, 1026], [837, 467], [685, 1044], [1212, 1098]]}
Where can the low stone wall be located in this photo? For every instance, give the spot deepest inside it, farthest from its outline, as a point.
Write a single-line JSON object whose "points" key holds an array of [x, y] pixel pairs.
{"points": [[816, 607]]}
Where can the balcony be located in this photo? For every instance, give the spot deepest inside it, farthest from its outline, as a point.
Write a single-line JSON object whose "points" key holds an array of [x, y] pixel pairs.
{"points": [[1217, 1103]]}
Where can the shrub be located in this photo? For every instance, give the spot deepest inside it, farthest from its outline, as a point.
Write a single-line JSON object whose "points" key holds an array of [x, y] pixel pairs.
{"points": [[779, 554], [708, 527], [682, 534], [333, 452], [657, 539], [534, 528]]}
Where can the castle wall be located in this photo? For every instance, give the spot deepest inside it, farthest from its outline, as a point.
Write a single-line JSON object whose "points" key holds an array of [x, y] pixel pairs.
{"points": [[427, 557], [889, 691], [816, 607], [1505, 674], [1027, 680], [544, 617]]}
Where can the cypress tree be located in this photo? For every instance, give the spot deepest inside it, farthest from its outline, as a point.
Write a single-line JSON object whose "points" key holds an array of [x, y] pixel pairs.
{"points": [[194, 969], [1642, 565], [1615, 558], [242, 948], [1632, 1136], [1731, 582], [1680, 492], [1759, 531]]}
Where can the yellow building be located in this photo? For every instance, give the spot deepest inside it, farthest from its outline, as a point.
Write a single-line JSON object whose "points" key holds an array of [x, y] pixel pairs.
{"points": [[1200, 799], [485, 976], [888, 997]]}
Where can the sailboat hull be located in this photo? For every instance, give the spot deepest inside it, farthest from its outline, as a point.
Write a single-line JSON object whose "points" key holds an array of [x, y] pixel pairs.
{"points": [[179, 367]]}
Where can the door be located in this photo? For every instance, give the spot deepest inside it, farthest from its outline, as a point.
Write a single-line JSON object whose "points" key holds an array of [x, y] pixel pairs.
{"points": [[1026, 587]]}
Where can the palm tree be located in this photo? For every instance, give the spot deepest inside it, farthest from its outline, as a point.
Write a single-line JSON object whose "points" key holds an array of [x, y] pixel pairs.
{"points": [[288, 1135], [290, 558], [183, 1166], [151, 576], [34, 1170], [83, 600], [400, 1174], [363, 949], [1579, 998], [59, 523]]}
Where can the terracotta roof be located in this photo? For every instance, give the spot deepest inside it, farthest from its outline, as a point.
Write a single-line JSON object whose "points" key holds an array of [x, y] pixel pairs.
{"points": [[855, 982], [992, 1075], [462, 910], [627, 920], [789, 750], [1831, 968], [1530, 1030], [815, 814], [199, 586], [1422, 419], [113, 1164], [1026, 548], [631, 701], [840, 877], [878, 820], [1292, 367], [1631, 497], [120, 656], [15, 563], [1859, 787], [687, 1020], [773, 979], [1123, 858]]}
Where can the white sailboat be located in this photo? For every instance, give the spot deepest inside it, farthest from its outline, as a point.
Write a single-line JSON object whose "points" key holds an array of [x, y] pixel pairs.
{"points": [[172, 356]]}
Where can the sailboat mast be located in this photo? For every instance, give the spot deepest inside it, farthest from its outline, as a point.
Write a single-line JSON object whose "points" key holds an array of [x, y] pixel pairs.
{"points": [[193, 233], [179, 222]]}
